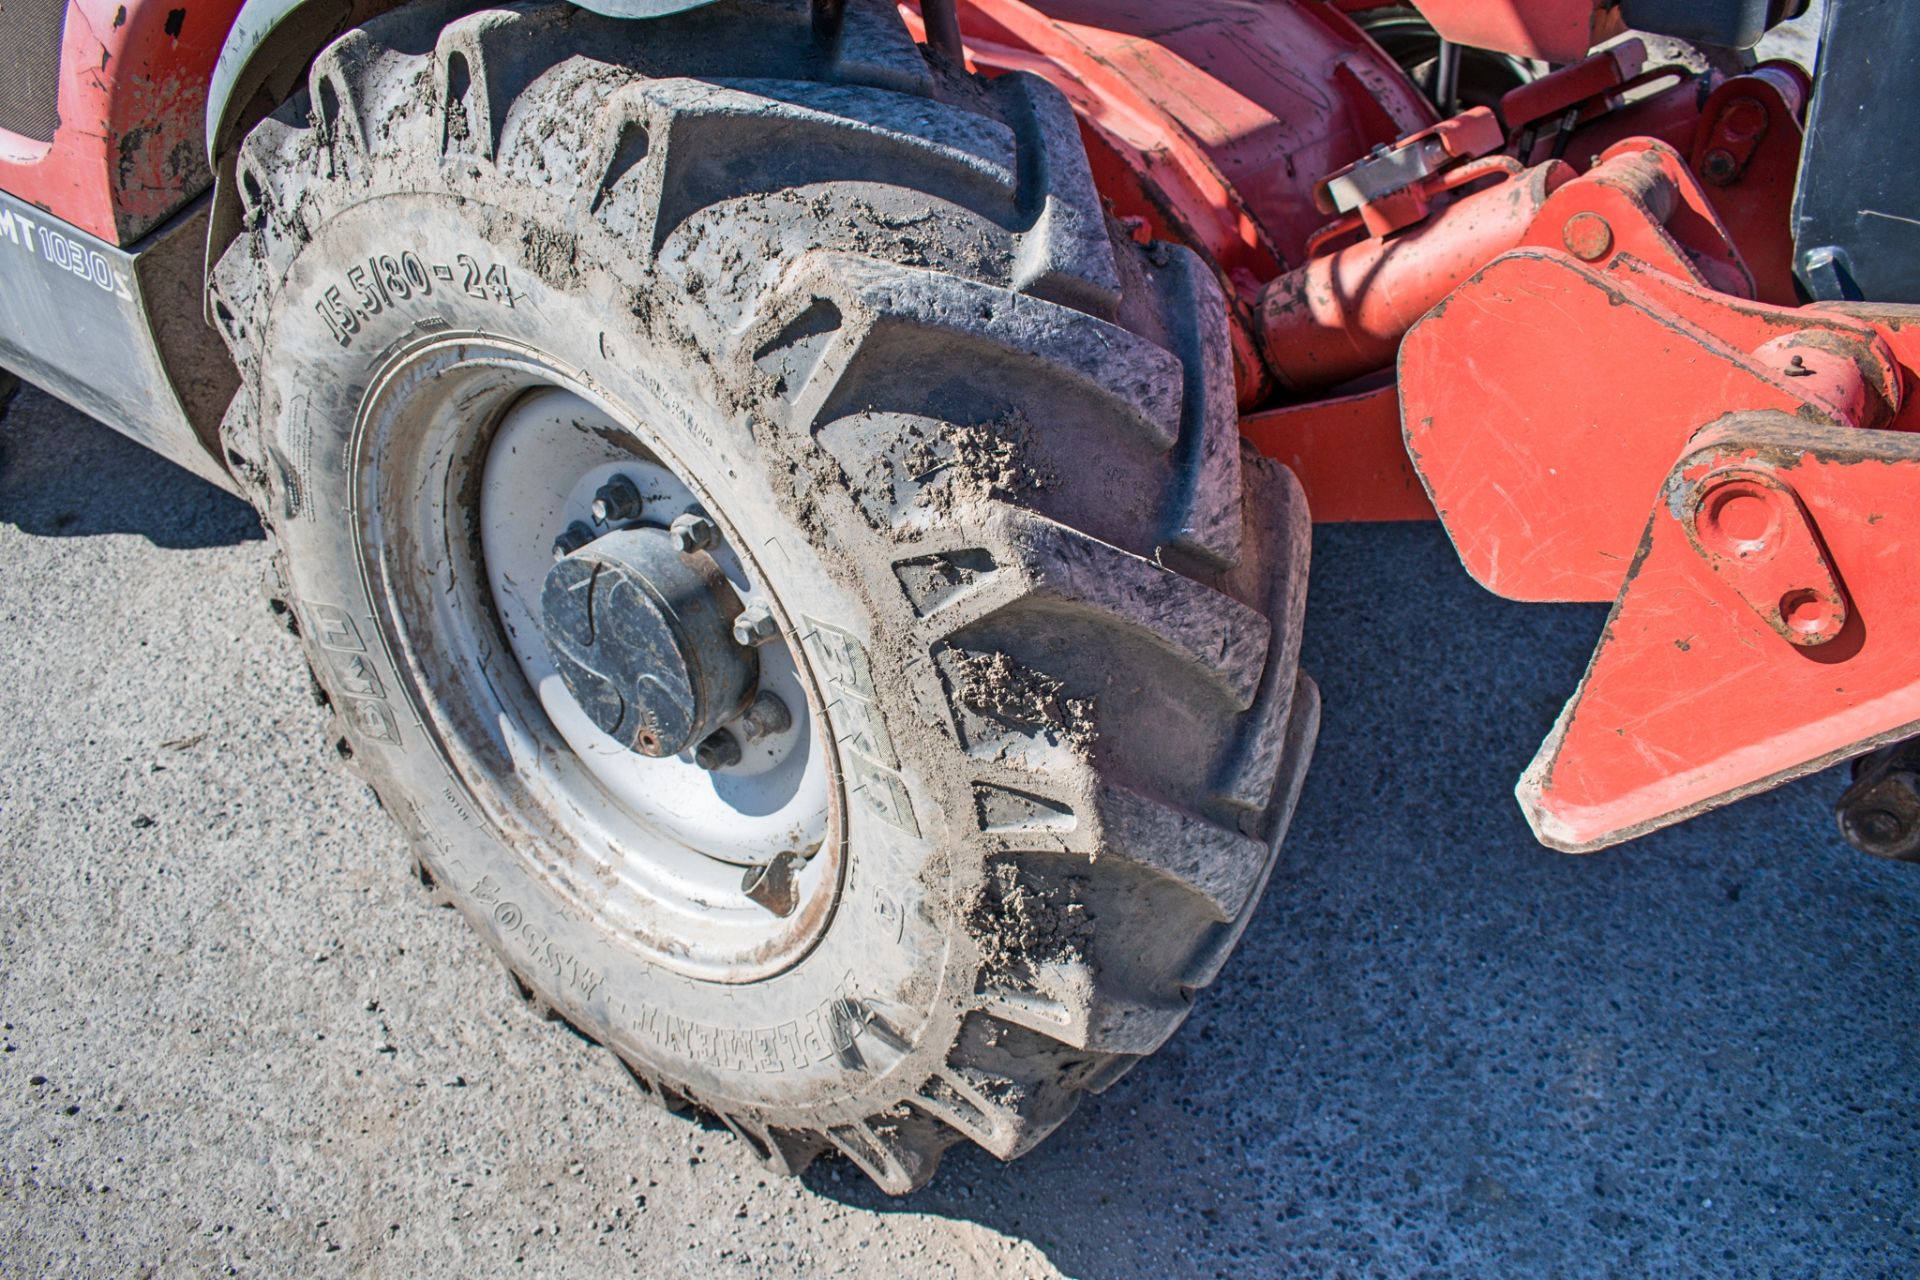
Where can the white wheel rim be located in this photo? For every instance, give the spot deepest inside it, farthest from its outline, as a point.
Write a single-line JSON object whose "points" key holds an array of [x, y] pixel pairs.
{"points": [[483, 449], [551, 452]]}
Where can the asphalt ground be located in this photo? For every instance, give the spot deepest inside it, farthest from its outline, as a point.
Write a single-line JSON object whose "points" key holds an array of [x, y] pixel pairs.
{"points": [[236, 1041]]}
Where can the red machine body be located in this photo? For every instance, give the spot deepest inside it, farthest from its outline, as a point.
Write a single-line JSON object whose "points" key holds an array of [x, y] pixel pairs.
{"points": [[132, 105], [1568, 328], [1564, 323]]}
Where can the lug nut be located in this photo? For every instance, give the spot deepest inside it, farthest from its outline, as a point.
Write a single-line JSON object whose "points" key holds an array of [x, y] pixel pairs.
{"points": [[717, 751], [618, 500], [755, 626], [691, 533], [577, 535], [767, 716]]}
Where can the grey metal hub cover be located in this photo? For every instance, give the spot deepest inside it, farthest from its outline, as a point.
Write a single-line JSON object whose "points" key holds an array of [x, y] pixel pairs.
{"points": [[643, 636]]}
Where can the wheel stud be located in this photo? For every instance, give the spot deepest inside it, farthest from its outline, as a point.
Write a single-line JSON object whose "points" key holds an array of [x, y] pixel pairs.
{"points": [[766, 717], [719, 750], [577, 535], [618, 500], [755, 626], [691, 533]]}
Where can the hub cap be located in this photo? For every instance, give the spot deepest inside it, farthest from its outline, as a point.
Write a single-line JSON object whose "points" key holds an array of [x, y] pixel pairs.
{"points": [[642, 635], [661, 651]]}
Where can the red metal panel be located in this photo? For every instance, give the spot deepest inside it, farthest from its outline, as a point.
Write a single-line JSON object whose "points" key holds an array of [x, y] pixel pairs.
{"points": [[1695, 696], [1348, 453], [1747, 151], [133, 100], [1552, 30], [1543, 397], [1639, 198], [1224, 116]]}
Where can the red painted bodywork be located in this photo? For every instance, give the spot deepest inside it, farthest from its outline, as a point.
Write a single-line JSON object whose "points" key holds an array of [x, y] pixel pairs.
{"points": [[1578, 300], [1694, 698], [1343, 313], [1197, 127], [1208, 124], [1551, 30], [1747, 150], [133, 100], [1546, 400], [1348, 453]]}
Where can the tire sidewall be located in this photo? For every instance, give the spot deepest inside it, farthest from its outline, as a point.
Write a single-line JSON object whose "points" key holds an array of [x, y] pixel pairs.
{"points": [[815, 1040]]}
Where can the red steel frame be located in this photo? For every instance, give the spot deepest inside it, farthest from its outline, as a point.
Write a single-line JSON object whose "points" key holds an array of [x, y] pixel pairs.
{"points": [[1570, 333]]}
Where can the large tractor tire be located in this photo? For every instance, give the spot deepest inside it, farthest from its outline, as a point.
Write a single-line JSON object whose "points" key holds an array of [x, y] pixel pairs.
{"points": [[788, 564]]}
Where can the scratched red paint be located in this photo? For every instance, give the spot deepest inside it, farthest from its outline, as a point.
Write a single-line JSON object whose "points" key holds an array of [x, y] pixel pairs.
{"points": [[133, 99]]}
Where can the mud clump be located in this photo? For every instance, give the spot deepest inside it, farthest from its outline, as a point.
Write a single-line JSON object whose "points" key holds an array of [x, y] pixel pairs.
{"points": [[554, 256], [979, 460], [1022, 926], [995, 685]]}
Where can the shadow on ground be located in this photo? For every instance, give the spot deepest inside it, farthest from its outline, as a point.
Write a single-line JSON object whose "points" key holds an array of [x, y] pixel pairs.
{"points": [[1442, 1049], [64, 476]]}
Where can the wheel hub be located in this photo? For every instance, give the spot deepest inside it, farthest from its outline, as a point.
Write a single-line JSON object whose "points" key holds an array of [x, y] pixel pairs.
{"points": [[642, 634]]}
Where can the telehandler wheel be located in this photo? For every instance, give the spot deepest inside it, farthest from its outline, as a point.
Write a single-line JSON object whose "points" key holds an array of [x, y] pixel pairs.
{"points": [[787, 564]]}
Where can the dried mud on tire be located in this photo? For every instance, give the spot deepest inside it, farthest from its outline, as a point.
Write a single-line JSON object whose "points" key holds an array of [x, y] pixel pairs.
{"points": [[1052, 609]]}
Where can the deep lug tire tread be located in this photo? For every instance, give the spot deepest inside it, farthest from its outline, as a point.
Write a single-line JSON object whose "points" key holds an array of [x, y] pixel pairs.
{"points": [[1111, 865]]}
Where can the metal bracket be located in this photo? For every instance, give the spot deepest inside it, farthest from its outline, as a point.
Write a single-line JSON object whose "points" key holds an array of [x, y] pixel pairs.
{"points": [[1691, 700], [1751, 529], [1389, 189]]}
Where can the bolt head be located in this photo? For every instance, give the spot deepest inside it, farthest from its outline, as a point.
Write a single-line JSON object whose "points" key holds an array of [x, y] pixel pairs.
{"points": [[1883, 817], [1720, 167], [572, 538], [618, 500], [1588, 236], [755, 626], [717, 751], [691, 533]]}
